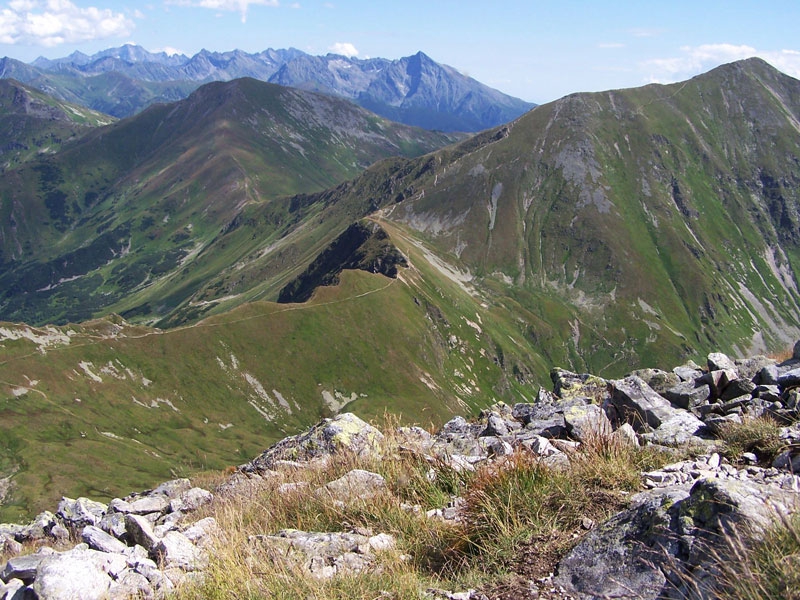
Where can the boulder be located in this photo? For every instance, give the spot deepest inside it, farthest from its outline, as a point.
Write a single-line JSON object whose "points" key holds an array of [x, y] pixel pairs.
{"points": [[357, 484], [717, 361], [343, 433], [81, 512], [638, 404], [585, 421], [97, 539], [74, 575], [662, 540], [140, 531], [687, 394], [22, 567], [175, 550]]}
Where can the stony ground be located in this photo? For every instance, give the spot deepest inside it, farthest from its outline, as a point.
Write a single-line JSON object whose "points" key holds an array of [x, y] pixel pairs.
{"points": [[661, 541]]}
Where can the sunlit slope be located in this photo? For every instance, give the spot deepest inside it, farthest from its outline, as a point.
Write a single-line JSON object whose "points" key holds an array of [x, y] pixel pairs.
{"points": [[127, 209], [105, 407]]}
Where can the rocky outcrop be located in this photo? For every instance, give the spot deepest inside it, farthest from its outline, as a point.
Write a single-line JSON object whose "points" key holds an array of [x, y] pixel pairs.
{"points": [[141, 546], [663, 545]]}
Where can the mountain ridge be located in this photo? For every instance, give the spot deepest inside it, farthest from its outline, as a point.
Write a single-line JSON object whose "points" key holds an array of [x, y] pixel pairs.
{"points": [[442, 98]]}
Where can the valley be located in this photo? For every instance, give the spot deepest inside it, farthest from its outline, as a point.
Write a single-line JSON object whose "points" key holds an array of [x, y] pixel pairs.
{"points": [[161, 275]]}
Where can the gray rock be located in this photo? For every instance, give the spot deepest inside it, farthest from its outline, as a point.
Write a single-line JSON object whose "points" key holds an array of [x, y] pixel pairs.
{"points": [[81, 512], [97, 539], [11, 547], [495, 426], [615, 557], [154, 503], [22, 567], [638, 404], [789, 378], [175, 550], [202, 532], [688, 372], [357, 484], [717, 380], [796, 351], [343, 433], [768, 375], [113, 523], [681, 428], [737, 388], [192, 499], [15, 589], [73, 575], [687, 394], [788, 460], [133, 585], [749, 368], [652, 549], [657, 379], [172, 489], [41, 526], [717, 361], [140, 531], [584, 422]]}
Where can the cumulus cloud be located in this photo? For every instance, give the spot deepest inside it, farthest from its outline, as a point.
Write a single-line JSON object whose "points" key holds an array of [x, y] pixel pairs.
{"points": [[697, 59], [344, 48], [53, 22], [240, 6]]}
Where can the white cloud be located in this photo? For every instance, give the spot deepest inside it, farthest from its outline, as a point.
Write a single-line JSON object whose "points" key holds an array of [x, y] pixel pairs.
{"points": [[53, 22], [344, 48], [240, 6], [169, 51], [697, 59]]}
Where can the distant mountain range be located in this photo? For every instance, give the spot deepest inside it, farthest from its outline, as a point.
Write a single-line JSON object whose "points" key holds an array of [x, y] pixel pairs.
{"points": [[414, 90]]}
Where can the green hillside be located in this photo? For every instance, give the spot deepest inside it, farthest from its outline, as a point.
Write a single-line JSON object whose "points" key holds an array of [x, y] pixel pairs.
{"points": [[600, 233], [111, 222]]}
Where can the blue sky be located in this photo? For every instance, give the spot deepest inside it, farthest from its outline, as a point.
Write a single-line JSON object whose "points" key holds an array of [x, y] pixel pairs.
{"points": [[536, 50]]}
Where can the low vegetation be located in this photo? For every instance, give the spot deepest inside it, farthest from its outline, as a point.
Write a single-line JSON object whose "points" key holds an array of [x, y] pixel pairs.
{"points": [[757, 435], [763, 566], [509, 506]]}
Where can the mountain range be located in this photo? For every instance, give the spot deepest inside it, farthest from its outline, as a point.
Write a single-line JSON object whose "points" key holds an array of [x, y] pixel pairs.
{"points": [[414, 90], [235, 303]]}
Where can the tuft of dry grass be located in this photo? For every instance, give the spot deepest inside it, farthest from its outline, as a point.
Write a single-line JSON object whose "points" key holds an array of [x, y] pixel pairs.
{"points": [[511, 505], [762, 566], [760, 435]]}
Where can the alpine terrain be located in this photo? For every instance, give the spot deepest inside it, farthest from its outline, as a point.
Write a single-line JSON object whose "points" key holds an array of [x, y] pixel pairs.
{"points": [[601, 232], [414, 90]]}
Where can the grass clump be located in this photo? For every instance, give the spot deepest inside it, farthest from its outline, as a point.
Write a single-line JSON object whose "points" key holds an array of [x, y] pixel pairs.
{"points": [[766, 566], [759, 435], [519, 515]]}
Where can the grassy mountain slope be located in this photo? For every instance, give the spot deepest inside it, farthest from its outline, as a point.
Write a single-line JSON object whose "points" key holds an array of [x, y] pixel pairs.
{"points": [[106, 407], [600, 232], [33, 123], [658, 218], [111, 220]]}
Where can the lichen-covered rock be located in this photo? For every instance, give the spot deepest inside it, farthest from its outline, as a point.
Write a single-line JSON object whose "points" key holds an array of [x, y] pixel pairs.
{"points": [[653, 548], [343, 433]]}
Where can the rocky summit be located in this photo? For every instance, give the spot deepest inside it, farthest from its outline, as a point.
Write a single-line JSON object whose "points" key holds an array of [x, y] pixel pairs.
{"points": [[666, 541]]}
